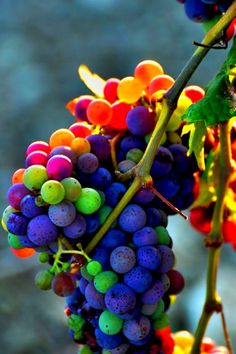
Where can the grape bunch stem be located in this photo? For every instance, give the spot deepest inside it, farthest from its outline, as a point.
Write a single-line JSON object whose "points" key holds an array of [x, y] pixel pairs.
{"points": [[141, 177]]}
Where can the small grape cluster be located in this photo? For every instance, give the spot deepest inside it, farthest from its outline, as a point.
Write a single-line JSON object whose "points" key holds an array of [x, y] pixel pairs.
{"points": [[117, 296], [204, 10]]}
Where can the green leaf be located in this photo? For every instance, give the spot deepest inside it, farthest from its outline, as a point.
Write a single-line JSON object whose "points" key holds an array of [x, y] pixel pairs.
{"points": [[196, 141], [219, 103]]}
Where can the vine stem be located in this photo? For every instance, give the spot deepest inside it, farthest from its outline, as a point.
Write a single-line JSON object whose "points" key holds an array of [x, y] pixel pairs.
{"points": [[142, 170], [214, 240]]}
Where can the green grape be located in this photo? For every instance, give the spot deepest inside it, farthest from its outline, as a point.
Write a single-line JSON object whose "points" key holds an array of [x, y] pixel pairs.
{"points": [[75, 322], [44, 257], [103, 214], [162, 235], [94, 268], [5, 215], [134, 155], [85, 274], [84, 350], [43, 279], [35, 176], [105, 280], [13, 241], [66, 266], [159, 310], [162, 321], [109, 323], [89, 201], [72, 188], [52, 192]]}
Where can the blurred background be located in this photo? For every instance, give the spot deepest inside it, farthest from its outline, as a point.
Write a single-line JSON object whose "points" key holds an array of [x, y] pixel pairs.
{"points": [[42, 44]]}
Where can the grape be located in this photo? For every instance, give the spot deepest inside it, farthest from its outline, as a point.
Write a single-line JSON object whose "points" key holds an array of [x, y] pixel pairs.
{"points": [[72, 188], [17, 176], [94, 298], [114, 193], [195, 93], [73, 300], [120, 299], [143, 196], [198, 11], [137, 329], [61, 137], [156, 217], [119, 114], [108, 341], [163, 235], [94, 267], [43, 280], [176, 282], [17, 224], [134, 155], [5, 215], [13, 241], [59, 167], [89, 201], [125, 165], [35, 176], [103, 214], [181, 161], [99, 146], [132, 218], [163, 161], [122, 259], [81, 107], [160, 82], [41, 231], [110, 90], [62, 214], [29, 208], [101, 178], [36, 158], [52, 192], [92, 223], [23, 252], [145, 237], [104, 281], [168, 186], [63, 284], [131, 142], [102, 255], [65, 151], [83, 283], [99, 112], [87, 163], [38, 146], [109, 323], [129, 89], [25, 242], [76, 228], [121, 349], [167, 259], [140, 121], [149, 257], [80, 130], [139, 279], [149, 310], [114, 238], [153, 294], [160, 306], [146, 70], [80, 146]]}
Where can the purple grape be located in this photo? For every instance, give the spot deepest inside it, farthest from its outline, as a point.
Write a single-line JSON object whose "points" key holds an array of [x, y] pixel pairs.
{"points": [[16, 193], [87, 163], [77, 228], [145, 237], [17, 224], [99, 146], [107, 341], [167, 259], [83, 283], [95, 298], [42, 231], [114, 238], [102, 255], [131, 142], [149, 257], [140, 121], [137, 329], [153, 294], [182, 163], [92, 223], [162, 163], [132, 218], [29, 208], [24, 241], [139, 279], [122, 259], [120, 299], [156, 217], [74, 300], [168, 186], [143, 196], [100, 179], [59, 167], [66, 151], [62, 214], [114, 193]]}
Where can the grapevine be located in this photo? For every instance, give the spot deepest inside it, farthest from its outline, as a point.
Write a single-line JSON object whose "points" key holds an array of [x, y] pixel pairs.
{"points": [[94, 200]]}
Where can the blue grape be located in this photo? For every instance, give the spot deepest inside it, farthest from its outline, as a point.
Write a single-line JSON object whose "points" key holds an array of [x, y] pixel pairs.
{"points": [[17, 224], [42, 231], [94, 298], [114, 238], [143, 196], [114, 193], [24, 241], [140, 121], [139, 279], [29, 208], [145, 237], [100, 179], [99, 146], [137, 329], [198, 11], [92, 223], [153, 294], [120, 299], [168, 186], [77, 228], [125, 166], [132, 218], [102, 255], [156, 217], [162, 163], [182, 163], [83, 283], [122, 259], [167, 259], [149, 257], [62, 214], [74, 300], [108, 341], [132, 142], [87, 163], [165, 281]]}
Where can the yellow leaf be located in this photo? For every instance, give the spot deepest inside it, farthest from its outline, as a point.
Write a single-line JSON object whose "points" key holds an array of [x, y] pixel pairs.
{"points": [[93, 81]]}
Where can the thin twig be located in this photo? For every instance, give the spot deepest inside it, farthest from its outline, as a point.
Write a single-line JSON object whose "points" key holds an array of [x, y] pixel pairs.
{"points": [[226, 332]]}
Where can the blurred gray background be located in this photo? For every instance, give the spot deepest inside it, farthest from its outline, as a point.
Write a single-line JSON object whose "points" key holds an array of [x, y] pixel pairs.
{"points": [[42, 44]]}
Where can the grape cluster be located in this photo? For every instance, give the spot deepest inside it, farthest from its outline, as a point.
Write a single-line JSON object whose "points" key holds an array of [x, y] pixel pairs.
{"points": [[117, 297], [204, 10]]}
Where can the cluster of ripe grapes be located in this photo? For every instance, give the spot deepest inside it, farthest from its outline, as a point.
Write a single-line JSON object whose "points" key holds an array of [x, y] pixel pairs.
{"points": [[204, 10], [118, 295]]}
